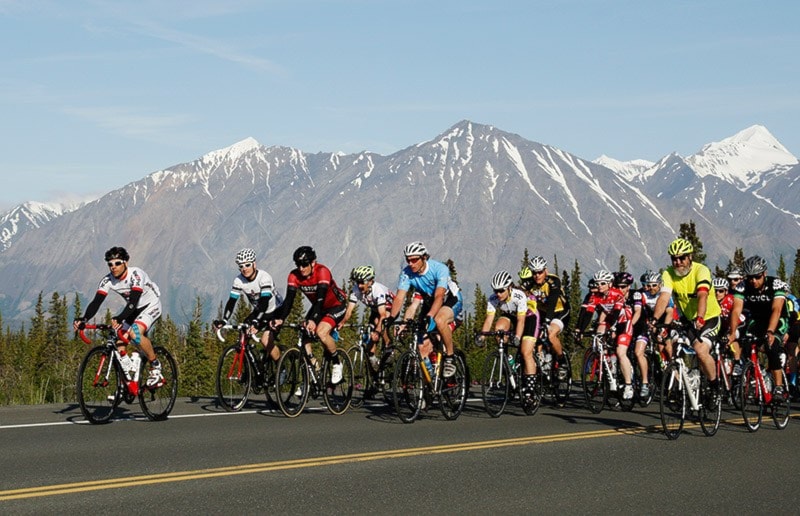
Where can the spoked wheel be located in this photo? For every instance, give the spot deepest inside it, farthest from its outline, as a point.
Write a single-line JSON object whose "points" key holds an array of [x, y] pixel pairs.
{"points": [[362, 375], [407, 388], [594, 388], [291, 383], [673, 401], [562, 378], [234, 378], [780, 406], [386, 374], [710, 409], [338, 391], [467, 373], [99, 389], [751, 398], [158, 399], [495, 384], [454, 390]]}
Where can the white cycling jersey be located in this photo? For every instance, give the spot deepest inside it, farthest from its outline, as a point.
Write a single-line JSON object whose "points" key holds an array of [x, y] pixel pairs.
{"points": [[261, 285], [515, 304], [378, 295], [134, 279]]}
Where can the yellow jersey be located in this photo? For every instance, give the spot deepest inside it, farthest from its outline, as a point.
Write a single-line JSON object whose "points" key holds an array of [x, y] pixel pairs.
{"points": [[684, 290]]}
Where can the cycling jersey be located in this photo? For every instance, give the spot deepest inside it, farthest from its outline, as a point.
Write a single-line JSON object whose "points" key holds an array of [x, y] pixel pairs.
{"points": [[141, 294], [618, 313], [326, 298], [436, 275], [759, 303], [684, 290], [260, 292], [516, 304], [379, 294], [553, 304]]}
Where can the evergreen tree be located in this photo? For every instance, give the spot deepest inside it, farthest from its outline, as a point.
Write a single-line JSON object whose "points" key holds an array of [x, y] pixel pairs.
{"points": [[689, 232], [794, 280], [575, 300], [555, 265], [623, 264], [781, 270], [525, 259], [197, 375]]}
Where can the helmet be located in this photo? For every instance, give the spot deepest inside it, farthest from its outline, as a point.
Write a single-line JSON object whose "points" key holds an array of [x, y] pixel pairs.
{"points": [[304, 255], [415, 249], [363, 273], [592, 283], [525, 273], [537, 263], [623, 278], [246, 255], [650, 277], [603, 275], [754, 266], [720, 284], [501, 280], [680, 246], [735, 273], [119, 253]]}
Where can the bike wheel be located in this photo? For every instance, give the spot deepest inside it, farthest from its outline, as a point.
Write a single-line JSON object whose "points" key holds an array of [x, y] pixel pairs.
{"points": [[780, 406], [234, 379], [594, 388], [495, 384], [338, 395], [563, 386], [157, 400], [407, 387], [291, 384], [710, 409], [751, 398], [362, 375], [386, 374], [673, 401], [467, 373], [98, 385], [453, 395]]}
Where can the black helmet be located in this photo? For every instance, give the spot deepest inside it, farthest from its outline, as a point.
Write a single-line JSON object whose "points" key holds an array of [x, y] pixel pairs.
{"points": [[119, 253], [304, 255], [754, 266]]}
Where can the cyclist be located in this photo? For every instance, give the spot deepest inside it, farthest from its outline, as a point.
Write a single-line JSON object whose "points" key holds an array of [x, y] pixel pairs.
{"points": [[259, 290], [633, 298], [735, 278], [512, 305], [651, 283], [553, 304], [327, 300], [375, 296], [441, 302], [689, 283], [612, 309], [765, 298], [142, 307]]}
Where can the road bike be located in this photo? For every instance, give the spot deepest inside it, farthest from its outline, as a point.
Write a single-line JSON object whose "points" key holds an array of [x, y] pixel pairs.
{"points": [[684, 388], [240, 371], [416, 388], [103, 382], [600, 374], [554, 379], [300, 377], [503, 378], [367, 381], [756, 389], [728, 382]]}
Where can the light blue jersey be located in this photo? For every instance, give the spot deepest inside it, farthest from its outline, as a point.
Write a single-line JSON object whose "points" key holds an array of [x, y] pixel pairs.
{"points": [[436, 275]]}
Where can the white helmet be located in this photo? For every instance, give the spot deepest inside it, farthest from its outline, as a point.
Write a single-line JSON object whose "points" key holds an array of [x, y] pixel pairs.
{"points": [[501, 280], [603, 275], [415, 249], [720, 284], [537, 263], [246, 255]]}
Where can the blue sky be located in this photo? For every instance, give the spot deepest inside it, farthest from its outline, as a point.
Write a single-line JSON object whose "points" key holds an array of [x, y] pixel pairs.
{"points": [[96, 94]]}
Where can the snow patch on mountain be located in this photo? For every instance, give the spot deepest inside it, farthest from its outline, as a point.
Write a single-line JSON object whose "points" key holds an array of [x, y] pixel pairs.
{"points": [[628, 170]]}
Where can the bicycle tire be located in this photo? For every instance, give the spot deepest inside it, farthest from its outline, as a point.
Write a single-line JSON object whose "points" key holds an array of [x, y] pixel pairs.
{"points": [[672, 405], [158, 401], [781, 406], [98, 380], [467, 373], [386, 374], [338, 395], [362, 378], [562, 388], [495, 384], [407, 387], [453, 390], [710, 415], [594, 385], [751, 398], [234, 379], [291, 384]]}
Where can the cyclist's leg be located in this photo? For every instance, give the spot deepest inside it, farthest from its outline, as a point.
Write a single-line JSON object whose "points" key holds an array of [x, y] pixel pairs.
{"points": [[554, 330], [623, 342], [641, 359], [443, 318], [528, 344], [774, 352], [702, 346]]}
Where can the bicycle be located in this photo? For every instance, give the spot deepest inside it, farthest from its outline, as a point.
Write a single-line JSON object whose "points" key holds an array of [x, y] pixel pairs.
{"points": [[600, 374], [756, 390], [553, 378], [728, 382], [366, 380], [415, 388], [103, 383], [299, 378], [681, 383], [502, 377], [239, 371]]}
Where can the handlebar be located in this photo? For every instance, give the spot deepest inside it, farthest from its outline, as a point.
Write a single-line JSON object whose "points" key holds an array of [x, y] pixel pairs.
{"points": [[504, 335], [106, 328], [243, 327]]}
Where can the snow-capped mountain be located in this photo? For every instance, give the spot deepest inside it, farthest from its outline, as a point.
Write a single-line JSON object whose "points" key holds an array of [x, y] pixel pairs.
{"points": [[27, 216], [629, 170]]}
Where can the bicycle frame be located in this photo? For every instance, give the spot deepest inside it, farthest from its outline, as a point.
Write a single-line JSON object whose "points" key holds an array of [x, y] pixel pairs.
{"points": [[129, 384], [682, 350], [762, 392]]}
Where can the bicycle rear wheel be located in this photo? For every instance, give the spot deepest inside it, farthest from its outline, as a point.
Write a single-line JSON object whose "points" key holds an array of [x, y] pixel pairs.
{"points": [[386, 374], [563, 384], [291, 384], [751, 398], [158, 400], [234, 379], [98, 387], [673, 401], [780, 406], [495, 384], [362, 376], [710, 409], [338, 395], [594, 387], [453, 395], [407, 387]]}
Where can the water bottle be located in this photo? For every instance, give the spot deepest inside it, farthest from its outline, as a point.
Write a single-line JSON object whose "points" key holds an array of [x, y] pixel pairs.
{"points": [[125, 362], [613, 362], [136, 362], [512, 362], [694, 379], [728, 365], [428, 367], [767, 378]]}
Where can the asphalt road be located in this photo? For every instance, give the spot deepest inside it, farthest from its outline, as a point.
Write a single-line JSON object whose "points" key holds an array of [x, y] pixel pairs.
{"points": [[558, 461]]}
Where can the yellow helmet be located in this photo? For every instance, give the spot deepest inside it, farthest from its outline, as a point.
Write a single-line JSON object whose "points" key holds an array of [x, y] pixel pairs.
{"points": [[680, 246]]}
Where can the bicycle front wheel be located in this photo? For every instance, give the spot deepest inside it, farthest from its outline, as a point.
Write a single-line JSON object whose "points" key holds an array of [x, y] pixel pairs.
{"points": [[453, 395], [407, 387], [495, 384], [673, 401], [362, 375], [234, 379], [98, 387], [157, 400], [594, 388], [780, 406], [563, 381], [291, 384], [339, 393], [710, 409], [751, 398]]}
